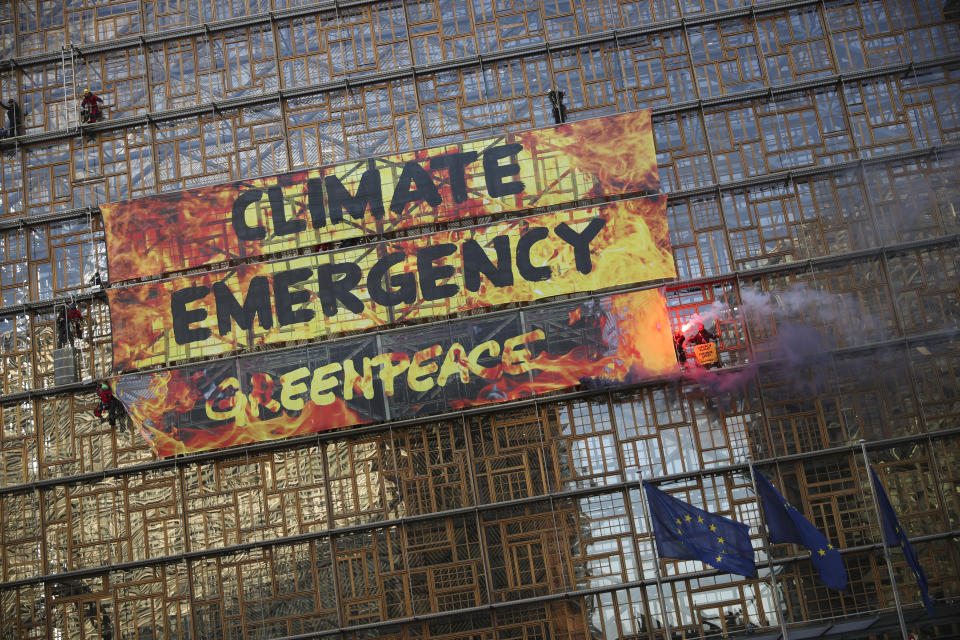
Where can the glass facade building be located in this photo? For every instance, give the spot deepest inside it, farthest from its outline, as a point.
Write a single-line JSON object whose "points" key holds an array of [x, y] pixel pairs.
{"points": [[811, 152]]}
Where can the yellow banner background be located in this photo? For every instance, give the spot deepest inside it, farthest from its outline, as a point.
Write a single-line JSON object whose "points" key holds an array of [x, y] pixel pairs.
{"points": [[632, 246], [166, 233]]}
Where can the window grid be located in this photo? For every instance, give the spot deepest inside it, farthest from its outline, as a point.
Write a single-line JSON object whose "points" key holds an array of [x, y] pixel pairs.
{"points": [[440, 562]]}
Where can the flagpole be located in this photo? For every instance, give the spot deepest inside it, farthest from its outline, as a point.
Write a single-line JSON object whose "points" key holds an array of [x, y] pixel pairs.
{"points": [[883, 538], [656, 562], [766, 545]]}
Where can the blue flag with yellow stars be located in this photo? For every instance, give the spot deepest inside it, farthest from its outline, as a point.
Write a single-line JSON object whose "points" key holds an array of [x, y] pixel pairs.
{"points": [[786, 524], [684, 532], [895, 536]]}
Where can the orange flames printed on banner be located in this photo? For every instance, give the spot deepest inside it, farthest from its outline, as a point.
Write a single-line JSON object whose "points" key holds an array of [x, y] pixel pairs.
{"points": [[180, 230], [174, 391], [616, 152], [643, 350], [638, 346], [633, 246], [165, 233]]}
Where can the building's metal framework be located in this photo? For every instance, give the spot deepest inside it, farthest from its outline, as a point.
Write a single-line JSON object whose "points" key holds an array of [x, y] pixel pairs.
{"points": [[811, 150]]}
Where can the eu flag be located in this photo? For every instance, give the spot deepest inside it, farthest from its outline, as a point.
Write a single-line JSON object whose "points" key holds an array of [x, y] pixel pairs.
{"points": [[894, 535], [684, 532], [786, 524]]}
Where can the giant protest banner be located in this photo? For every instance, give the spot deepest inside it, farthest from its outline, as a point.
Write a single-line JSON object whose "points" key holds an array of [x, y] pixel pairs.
{"points": [[417, 371], [166, 233], [379, 284]]}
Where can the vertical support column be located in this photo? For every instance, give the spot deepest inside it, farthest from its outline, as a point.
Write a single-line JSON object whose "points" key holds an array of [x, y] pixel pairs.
{"points": [[631, 514], [280, 100], [322, 452], [623, 74], [766, 546], [883, 538], [475, 492], [413, 75], [180, 478], [706, 138], [656, 562]]}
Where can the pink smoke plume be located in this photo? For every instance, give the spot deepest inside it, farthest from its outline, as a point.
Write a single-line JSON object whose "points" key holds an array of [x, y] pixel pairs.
{"points": [[805, 322]]}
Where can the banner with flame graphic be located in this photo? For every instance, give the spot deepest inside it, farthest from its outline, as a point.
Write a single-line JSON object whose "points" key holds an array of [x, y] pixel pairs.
{"points": [[381, 284], [165, 233], [418, 371]]}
